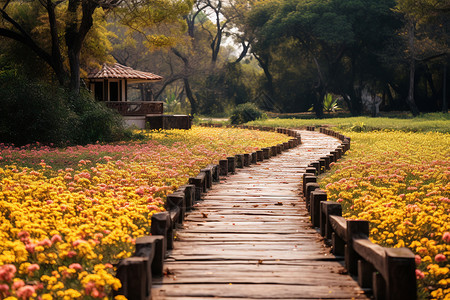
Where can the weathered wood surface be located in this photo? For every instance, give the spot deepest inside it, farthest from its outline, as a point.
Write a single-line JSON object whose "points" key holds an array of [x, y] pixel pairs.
{"points": [[250, 238]]}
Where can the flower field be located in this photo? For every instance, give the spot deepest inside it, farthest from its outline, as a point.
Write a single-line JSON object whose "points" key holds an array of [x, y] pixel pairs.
{"points": [[68, 214], [400, 182]]}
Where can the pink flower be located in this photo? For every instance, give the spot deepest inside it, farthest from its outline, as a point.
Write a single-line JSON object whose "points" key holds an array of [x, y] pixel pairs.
{"points": [[76, 266], [77, 242], [7, 272], [33, 267], [30, 247], [4, 288], [23, 234], [71, 254], [446, 237], [56, 238], [418, 259], [45, 242], [18, 284], [25, 292], [419, 274], [440, 258]]}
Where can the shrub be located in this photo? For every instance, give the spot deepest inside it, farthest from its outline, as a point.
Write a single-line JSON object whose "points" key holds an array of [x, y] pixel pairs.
{"points": [[246, 112], [36, 112], [95, 121]]}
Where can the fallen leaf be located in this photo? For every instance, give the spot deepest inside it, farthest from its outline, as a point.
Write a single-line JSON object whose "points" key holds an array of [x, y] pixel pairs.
{"points": [[204, 215], [279, 203]]}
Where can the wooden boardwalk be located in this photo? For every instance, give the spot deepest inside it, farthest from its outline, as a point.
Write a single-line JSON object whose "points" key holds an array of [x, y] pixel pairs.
{"points": [[250, 238]]}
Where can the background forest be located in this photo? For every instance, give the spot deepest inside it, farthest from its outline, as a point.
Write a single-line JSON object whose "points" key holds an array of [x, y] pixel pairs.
{"points": [[284, 56]]}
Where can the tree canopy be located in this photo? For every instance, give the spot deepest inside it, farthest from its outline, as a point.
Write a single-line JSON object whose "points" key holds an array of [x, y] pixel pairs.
{"points": [[285, 55]]}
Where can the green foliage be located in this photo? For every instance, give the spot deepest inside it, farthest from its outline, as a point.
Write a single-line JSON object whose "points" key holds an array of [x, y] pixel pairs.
{"points": [[438, 122], [35, 112], [359, 127], [246, 112], [330, 104], [95, 122]]}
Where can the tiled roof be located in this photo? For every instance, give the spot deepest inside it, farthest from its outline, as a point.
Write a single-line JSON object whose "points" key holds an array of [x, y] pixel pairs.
{"points": [[123, 72]]}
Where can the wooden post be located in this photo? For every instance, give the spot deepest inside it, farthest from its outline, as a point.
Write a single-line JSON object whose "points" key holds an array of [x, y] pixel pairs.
{"points": [[215, 172], [247, 160], [355, 229], [231, 164], [334, 154], [260, 155], [327, 162], [328, 208], [239, 160], [273, 151], [199, 182], [132, 274], [365, 273], [286, 145], [145, 248], [208, 177], [316, 197], [189, 195], [310, 186], [161, 225], [254, 157], [316, 165], [174, 201], [152, 247], [311, 170], [279, 148], [378, 286], [321, 166], [266, 153], [223, 165], [338, 244], [307, 179], [331, 158], [400, 272]]}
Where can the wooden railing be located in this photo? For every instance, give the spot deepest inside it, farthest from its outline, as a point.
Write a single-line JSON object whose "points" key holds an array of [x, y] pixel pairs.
{"points": [[389, 272], [136, 108], [136, 272]]}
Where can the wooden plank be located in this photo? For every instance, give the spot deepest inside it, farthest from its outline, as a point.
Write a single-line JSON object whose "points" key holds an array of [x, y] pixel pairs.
{"points": [[257, 291]]}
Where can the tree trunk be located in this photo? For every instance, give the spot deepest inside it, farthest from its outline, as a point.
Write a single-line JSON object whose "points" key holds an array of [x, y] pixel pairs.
{"points": [[318, 105], [190, 96], [444, 91], [76, 32], [264, 64], [74, 63], [57, 60], [412, 70]]}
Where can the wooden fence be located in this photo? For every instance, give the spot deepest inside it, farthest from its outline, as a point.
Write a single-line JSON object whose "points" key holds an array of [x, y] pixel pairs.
{"points": [[389, 272], [135, 272]]}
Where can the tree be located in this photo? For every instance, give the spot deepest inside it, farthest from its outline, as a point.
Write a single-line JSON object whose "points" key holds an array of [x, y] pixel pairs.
{"points": [[426, 39], [78, 20], [337, 37]]}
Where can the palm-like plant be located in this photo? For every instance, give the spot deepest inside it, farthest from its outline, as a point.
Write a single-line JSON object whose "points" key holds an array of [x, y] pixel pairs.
{"points": [[330, 103]]}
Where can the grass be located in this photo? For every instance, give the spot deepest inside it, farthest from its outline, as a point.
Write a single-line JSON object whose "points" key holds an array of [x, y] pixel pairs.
{"points": [[437, 122]]}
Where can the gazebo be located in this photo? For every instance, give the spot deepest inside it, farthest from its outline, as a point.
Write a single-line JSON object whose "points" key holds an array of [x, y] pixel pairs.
{"points": [[110, 85]]}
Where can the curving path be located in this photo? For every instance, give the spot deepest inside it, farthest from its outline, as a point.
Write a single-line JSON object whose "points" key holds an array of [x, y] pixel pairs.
{"points": [[250, 238]]}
